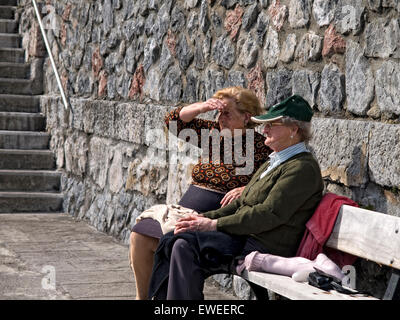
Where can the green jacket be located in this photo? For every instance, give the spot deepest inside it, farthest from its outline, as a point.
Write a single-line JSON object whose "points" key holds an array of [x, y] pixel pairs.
{"points": [[275, 209]]}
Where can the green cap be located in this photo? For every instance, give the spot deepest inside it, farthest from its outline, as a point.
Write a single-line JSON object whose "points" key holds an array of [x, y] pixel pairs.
{"points": [[294, 107]]}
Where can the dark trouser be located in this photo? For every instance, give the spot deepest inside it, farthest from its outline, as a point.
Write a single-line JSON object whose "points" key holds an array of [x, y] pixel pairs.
{"points": [[186, 276]]}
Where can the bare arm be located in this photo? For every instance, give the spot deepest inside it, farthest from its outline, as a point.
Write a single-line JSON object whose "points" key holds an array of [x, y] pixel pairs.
{"points": [[191, 111]]}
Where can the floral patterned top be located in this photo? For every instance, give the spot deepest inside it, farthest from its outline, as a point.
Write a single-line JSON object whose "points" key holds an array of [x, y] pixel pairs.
{"points": [[217, 175]]}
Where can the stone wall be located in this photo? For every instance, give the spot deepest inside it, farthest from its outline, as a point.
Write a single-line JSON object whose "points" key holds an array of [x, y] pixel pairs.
{"points": [[124, 63]]}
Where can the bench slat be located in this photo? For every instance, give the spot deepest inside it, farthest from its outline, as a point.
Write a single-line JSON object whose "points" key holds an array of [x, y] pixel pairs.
{"points": [[367, 234], [293, 290]]}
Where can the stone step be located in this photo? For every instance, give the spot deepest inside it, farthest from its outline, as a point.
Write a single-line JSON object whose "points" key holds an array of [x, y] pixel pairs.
{"points": [[12, 55], [15, 70], [13, 159], [19, 86], [22, 121], [32, 202], [8, 2], [19, 103], [8, 26], [24, 140], [10, 40], [30, 180], [7, 12]]}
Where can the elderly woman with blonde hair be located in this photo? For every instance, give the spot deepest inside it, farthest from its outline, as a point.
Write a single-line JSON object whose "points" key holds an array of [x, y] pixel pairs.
{"points": [[214, 184]]}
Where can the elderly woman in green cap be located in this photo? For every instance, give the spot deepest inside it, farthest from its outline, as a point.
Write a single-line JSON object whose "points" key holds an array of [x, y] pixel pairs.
{"points": [[269, 217]]}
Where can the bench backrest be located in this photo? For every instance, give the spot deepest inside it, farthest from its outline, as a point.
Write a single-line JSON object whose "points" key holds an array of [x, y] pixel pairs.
{"points": [[367, 234]]}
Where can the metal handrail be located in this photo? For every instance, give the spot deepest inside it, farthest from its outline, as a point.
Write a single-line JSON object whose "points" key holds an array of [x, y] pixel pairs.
{"points": [[66, 105]]}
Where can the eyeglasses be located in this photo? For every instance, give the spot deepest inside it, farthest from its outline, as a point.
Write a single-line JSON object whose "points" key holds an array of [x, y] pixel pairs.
{"points": [[269, 125]]}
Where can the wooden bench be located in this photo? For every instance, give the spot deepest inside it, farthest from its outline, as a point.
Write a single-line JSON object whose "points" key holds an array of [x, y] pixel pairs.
{"points": [[364, 233]]}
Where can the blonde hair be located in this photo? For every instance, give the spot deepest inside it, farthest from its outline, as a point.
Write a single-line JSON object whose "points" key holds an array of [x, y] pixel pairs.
{"points": [[246, 101]]}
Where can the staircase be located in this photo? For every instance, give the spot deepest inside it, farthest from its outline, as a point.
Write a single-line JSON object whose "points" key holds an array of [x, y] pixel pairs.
{"points": [[29, 182]]}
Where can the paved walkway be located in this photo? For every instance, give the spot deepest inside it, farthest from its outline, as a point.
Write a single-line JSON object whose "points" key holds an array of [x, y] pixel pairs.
{"points": [[53, 256]]}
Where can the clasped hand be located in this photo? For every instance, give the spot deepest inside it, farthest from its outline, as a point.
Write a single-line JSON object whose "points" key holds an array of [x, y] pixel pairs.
{"points": [[194, 223]]}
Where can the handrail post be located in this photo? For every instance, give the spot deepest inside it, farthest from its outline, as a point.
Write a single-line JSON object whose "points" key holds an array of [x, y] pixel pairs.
{"points": [[66, 105]]}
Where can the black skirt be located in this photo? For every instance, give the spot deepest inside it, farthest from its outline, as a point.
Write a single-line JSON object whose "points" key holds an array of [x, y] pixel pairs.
{"points": [[198, 199]]}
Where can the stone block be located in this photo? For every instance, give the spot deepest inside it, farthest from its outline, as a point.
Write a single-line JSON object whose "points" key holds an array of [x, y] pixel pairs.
{"points": [[148, 26], [233, 22], [192, 23], [333, 43], [374, 5], [152, 85], [171, 87], [279, 84], [299, 13], [306, 84], [217, 24], [223, 52], [167, 53], [129, 122], [264, 3], [213, 80], [77, 115], [130, 58], [250, 16], [99, 155], [108, 16], [236, 78], [387, 82], [178, 19], [147, 176], [271, 49], [359, 80], [248, 51], [190, 4], [309, 48], [288, 48], [191, 91], [115, 173], [57, 143], [341, 147], [84, 84], [391, 4], [162, 20], [229, 3], [382, 38], [204, 21], [324, 11], [332, 90], [384, 153], [256, 82], [278, 14], [102, 91], [151, 54], [138, 81], [184, 52], [261, 26], [155, 133], [170, 41], [76, 153], [103, 124]]}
